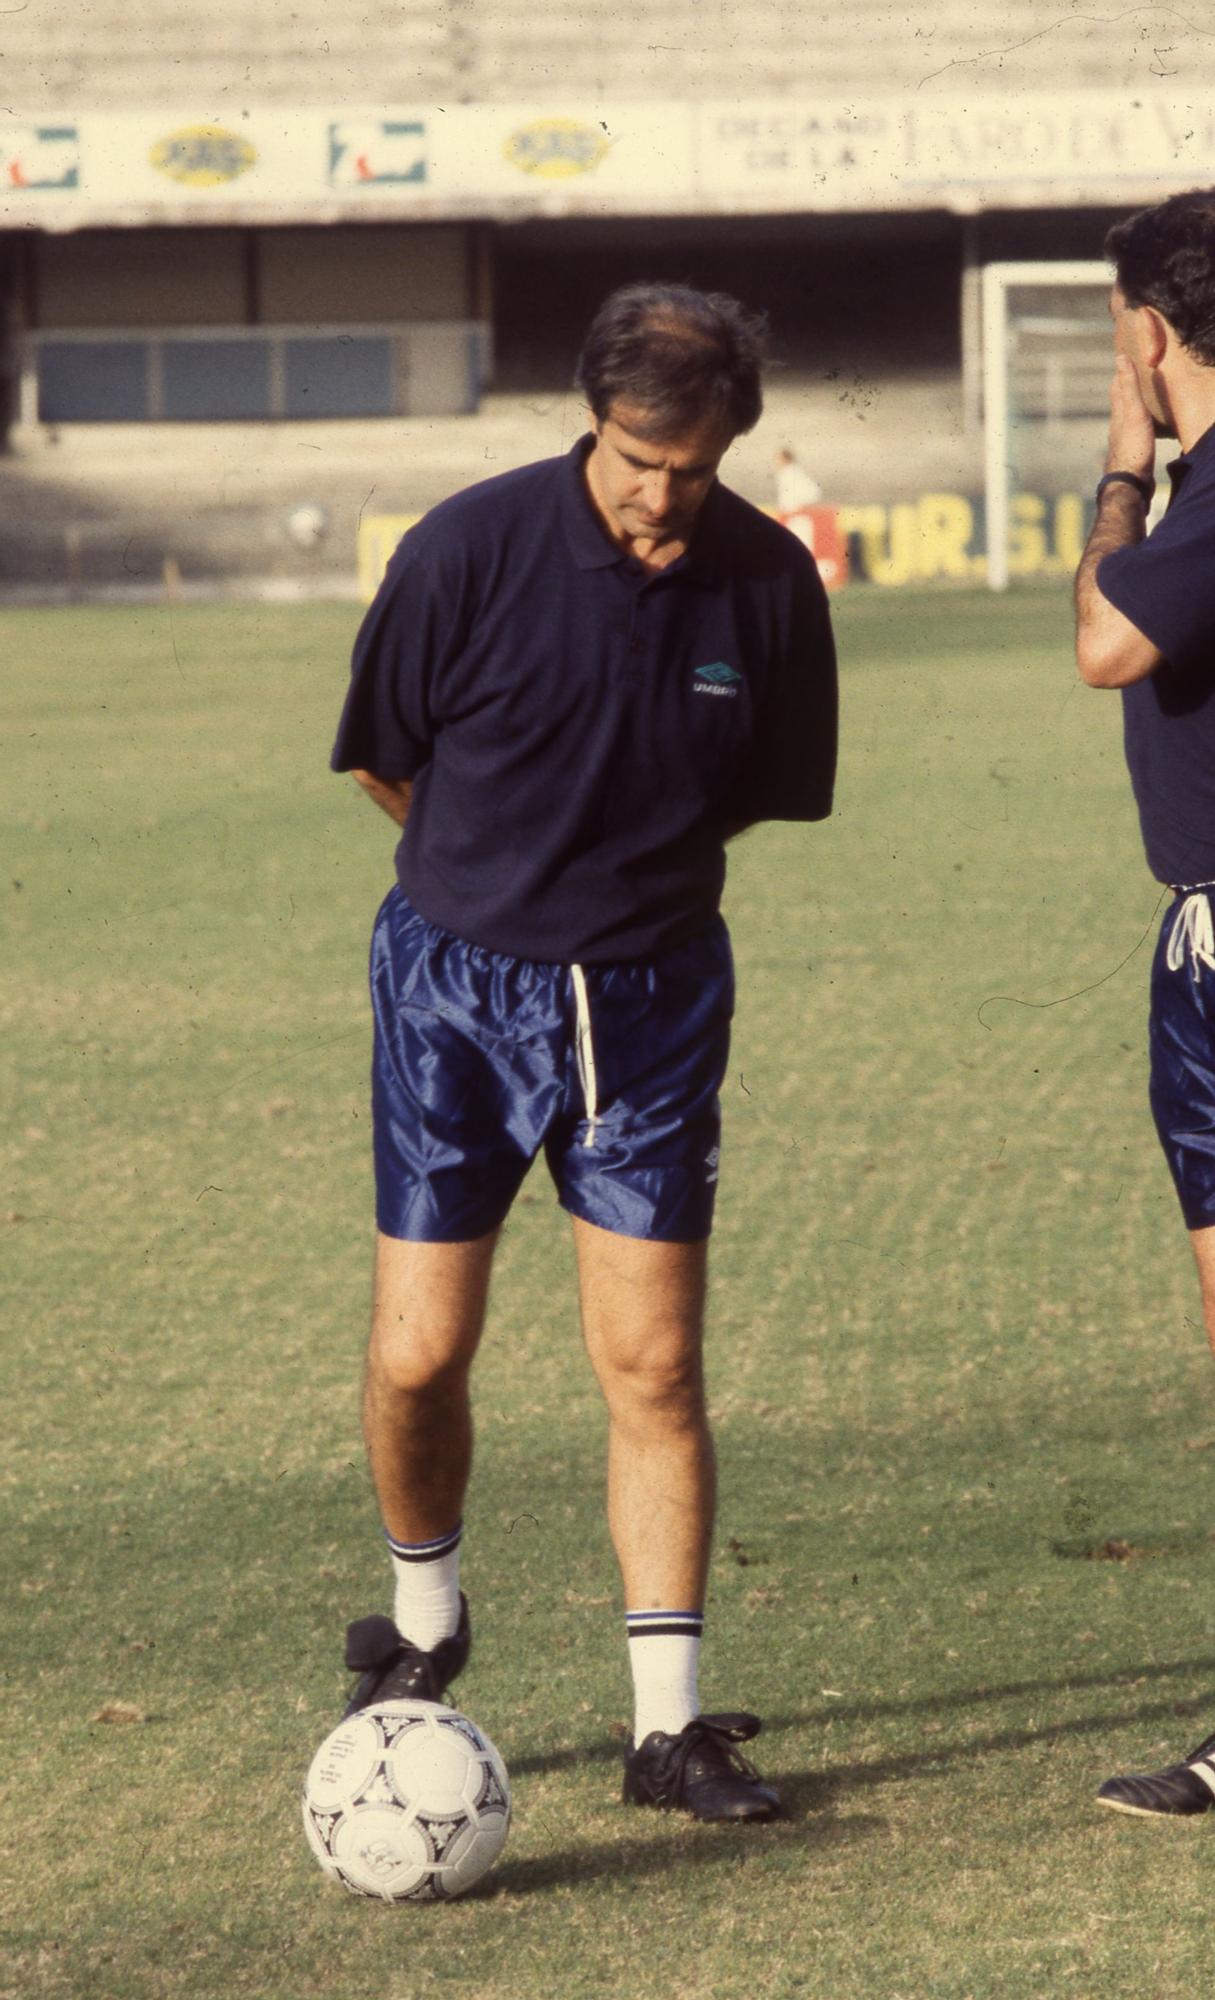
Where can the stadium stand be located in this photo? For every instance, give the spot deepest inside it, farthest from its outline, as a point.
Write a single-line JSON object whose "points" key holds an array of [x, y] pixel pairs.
{"points": [[463, 51], [95, 503]]}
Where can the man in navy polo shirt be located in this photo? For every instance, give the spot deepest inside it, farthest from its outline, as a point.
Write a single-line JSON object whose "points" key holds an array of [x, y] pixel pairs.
{"points": [[1145, 623], [576, 682]]}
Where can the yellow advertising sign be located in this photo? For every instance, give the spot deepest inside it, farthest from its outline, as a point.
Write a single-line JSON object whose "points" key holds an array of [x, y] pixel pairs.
{"points": [[203, 155], [937, 538], [554, 149], [378, 537]]}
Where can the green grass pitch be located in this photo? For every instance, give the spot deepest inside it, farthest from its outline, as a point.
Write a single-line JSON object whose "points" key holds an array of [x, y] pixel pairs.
{"points": [[963, 1402]]}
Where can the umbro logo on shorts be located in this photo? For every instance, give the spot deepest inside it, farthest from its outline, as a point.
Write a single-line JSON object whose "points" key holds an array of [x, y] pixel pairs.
{"points": [[711, 1161], [719, 678]]}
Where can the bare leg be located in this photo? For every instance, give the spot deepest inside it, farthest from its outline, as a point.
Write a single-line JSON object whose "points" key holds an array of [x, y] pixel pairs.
{"points": [[426, 1324], [1203, 1241], [642, 1316]]}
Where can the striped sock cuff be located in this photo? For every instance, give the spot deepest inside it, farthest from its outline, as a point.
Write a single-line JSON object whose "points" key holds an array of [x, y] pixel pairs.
{"points": [[425, 1552], [1203, 1768], [664, 1624]]}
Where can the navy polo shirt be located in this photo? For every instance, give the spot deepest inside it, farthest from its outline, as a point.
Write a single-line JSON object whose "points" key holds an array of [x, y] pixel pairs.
{"points": [[1165, 585], [580, 734]]}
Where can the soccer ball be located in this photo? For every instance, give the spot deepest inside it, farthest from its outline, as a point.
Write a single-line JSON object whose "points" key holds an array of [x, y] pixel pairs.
{"points": [[307, 525], [408, 1801]]}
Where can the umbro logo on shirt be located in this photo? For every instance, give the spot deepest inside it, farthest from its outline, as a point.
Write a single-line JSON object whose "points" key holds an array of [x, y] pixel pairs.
{"points": [[718, 679]]}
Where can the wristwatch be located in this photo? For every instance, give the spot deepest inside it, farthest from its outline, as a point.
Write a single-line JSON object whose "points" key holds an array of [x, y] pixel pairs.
{"points": [[1144, 487]]}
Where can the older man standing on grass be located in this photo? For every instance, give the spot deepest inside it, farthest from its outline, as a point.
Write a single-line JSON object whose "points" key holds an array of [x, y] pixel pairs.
{"points": [[1145, 623], [578, 680]]}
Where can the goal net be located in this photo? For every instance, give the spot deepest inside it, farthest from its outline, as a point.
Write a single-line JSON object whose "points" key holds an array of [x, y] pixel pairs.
{"points": [[1047, 362]]}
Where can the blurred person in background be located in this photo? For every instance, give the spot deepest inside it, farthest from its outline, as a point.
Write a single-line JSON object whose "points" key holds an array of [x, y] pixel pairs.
{"points": [[795, 487]]}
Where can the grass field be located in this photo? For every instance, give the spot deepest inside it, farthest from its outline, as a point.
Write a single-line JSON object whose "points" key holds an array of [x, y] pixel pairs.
{"points": [[963, 1402]]}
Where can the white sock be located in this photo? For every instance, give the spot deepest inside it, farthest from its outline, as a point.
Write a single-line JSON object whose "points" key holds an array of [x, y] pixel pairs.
{"points": [[664, 1651], [427, 1602]]}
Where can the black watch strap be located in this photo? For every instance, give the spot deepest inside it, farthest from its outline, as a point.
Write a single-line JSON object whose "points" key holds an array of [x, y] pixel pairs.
{"points": [[1144, 487]]}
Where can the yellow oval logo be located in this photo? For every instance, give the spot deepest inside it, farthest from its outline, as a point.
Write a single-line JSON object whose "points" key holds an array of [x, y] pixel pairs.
{"points": [[556, 148], [203, 155]]}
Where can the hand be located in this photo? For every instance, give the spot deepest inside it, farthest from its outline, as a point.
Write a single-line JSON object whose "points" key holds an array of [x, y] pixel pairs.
{"points": [[1132, 446]]}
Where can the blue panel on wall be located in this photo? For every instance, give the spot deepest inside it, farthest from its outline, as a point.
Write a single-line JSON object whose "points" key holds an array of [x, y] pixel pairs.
{"points": [[342, 376], [216, 378], [92, 381]]}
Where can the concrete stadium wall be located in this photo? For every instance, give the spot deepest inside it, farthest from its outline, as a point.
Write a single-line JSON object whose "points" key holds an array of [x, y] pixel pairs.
{"points": [[216, 277], [414, 296], [459, 51]]}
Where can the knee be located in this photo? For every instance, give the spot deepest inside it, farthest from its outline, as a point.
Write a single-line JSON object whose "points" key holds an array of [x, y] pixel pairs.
{"points": [[656, 1387], [408, 1361]]}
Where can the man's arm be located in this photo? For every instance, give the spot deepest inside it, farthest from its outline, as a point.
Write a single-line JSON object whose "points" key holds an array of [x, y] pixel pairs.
{"points": [[392, 794], [1110, 651]]}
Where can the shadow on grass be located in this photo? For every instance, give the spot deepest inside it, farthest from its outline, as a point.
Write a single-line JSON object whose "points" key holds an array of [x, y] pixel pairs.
{"points": [[997, 1691], [817, 1792], [606, 1751], [825, 1788], [687, 1845]]}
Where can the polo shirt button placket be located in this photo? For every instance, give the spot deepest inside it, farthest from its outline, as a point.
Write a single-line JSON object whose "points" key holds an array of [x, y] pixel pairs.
{"points": [[634, 646]]}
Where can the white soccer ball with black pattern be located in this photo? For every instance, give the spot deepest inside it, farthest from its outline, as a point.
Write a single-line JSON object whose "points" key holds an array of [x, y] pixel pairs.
{"points": [[407, 1801]]}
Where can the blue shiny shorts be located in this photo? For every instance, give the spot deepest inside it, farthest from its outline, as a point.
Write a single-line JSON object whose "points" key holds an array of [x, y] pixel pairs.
{"points": [[1181, 1037], [480, 1060]]}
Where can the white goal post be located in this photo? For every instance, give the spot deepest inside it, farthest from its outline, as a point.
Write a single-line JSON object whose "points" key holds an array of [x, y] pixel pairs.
{"points": [[1047, 362]]}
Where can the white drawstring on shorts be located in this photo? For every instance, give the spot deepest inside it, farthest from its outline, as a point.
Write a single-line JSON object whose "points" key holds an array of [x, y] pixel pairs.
{"points": [[584, 1051], [1192, 930]]}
